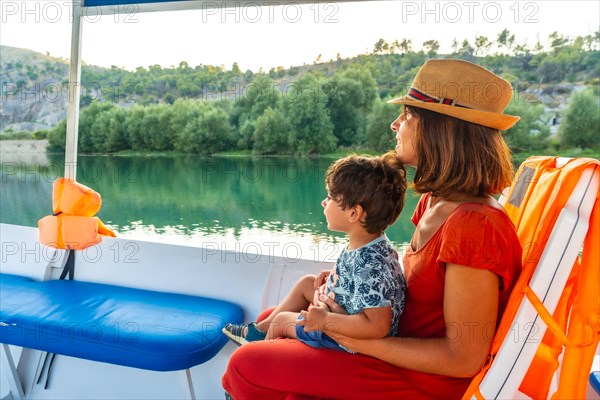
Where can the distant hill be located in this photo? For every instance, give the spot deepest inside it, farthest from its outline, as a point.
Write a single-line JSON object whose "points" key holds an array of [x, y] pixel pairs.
{"points": [[13, 55], [35, 86], [28, 79]]}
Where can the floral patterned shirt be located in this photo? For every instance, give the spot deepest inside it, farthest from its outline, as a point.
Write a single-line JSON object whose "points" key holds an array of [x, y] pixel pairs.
{"points": [[369, 277]]}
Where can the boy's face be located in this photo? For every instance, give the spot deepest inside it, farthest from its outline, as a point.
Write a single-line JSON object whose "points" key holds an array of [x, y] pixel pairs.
{"points": [[337, 218]]}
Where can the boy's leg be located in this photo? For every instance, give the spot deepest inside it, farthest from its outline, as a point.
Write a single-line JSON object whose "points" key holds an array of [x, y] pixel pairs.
{"points": [[283, 325], [298, 299]]}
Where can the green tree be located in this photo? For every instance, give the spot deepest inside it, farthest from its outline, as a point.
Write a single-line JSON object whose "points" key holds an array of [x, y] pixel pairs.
{"points": [[262, 93], [99, 132], [259, 95], [379, 136], [156, 124], [505, 40], [454, 46], [183, 111], [350, 95], [304, 106], [432, 47], [40, 134], [466, 51], [56, 138], [169, 98], [235, 69], [135, 127], [216, 133], [208, 133], [580, 124], [381, 47], [246, 136], [482, 45], [557, 40], [272, 133], [118, 136], [87, 119], [406, 46], [533, 129]]}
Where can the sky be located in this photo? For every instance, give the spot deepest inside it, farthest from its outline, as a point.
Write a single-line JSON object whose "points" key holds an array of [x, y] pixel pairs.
{"points": [[285, 35]]}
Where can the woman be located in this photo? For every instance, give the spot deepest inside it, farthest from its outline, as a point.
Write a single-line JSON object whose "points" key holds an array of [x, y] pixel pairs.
{"points": [[461, 265]]}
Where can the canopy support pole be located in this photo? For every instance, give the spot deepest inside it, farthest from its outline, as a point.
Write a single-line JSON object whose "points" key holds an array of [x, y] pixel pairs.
{"points": [[74, 93]]}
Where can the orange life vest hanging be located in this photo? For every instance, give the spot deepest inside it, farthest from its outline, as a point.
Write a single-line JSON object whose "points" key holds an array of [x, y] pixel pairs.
{"points": [[73, 225]]}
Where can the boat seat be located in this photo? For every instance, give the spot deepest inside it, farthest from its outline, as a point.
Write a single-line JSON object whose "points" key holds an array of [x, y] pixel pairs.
{"points": [[545, 342], [137, 328], [118, 325], [595, 381]]}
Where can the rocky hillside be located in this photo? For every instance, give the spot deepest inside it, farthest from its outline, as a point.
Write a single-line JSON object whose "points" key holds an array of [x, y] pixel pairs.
{"points": [[34, 94]]}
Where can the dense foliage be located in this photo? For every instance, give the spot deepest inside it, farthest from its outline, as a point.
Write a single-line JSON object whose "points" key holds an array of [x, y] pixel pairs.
{"points": [[582, 121], [326, 106]]}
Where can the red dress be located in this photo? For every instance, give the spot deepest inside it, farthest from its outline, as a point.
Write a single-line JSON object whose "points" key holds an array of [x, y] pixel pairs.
{"points": [[474, 235]]}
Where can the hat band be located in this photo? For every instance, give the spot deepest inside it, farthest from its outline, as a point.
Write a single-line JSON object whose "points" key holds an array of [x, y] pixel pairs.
{"points": [[415, 94]]}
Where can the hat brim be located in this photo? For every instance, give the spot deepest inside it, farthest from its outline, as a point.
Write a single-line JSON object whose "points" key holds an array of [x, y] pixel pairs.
{"points": [[486, 118]]}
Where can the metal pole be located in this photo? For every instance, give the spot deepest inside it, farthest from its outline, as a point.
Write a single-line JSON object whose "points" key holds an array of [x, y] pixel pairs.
{"points": [[188, 375], [74, 93], [10, 371]]}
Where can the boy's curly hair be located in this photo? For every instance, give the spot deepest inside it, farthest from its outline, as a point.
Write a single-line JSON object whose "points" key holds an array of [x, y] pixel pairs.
{"points": [[377, 184]]}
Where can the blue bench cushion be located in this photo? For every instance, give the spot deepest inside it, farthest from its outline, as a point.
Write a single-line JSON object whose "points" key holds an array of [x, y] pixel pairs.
{"points": [[595, 381], [132, 327]]}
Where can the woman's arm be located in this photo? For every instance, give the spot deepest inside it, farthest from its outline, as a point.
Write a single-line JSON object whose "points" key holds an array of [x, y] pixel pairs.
{"points": [[372, 323], [470, 309]]}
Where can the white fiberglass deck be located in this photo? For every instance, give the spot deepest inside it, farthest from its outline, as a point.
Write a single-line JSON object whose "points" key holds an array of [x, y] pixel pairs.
{"points": [[251, 280]]}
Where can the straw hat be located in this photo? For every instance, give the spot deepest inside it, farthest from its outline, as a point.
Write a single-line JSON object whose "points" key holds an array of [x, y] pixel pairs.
{"points": [[461, 90]]}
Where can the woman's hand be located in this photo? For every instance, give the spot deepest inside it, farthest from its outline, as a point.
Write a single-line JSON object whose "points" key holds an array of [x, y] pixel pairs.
{"points": [[352, 344], [330, 304], [315, 318]]}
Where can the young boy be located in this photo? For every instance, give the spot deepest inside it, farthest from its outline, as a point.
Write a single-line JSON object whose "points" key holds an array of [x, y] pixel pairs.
{"points": [[365, 195]]}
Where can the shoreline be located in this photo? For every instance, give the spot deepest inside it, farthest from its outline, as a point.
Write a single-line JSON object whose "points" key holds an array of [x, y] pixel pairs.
{"points": [[27, 152], [24, 149], [23, 146]]}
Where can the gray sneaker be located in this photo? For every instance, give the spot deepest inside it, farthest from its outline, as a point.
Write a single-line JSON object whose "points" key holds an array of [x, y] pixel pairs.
{"points": [[235, 332]]}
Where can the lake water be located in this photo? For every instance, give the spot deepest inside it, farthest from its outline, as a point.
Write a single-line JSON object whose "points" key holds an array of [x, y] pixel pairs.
{"points": [[252, 205]]}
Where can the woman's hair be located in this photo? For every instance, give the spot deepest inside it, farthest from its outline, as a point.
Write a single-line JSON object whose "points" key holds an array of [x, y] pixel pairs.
{"points": [[458, 157], [377, 184]]}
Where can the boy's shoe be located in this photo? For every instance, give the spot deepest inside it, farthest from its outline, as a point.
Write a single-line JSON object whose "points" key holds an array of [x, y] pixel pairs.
{"points": [[235, 332]]}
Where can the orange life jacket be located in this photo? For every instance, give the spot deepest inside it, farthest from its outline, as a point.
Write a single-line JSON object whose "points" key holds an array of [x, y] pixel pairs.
{"points": [[541, 190], [73, 225]]}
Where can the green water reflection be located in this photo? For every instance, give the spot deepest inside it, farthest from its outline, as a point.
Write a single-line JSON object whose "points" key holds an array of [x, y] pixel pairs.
{"points": [[191, 199]]}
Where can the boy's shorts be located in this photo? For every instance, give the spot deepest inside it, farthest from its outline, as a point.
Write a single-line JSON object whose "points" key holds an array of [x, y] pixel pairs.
{"points": [[317, 339]]}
